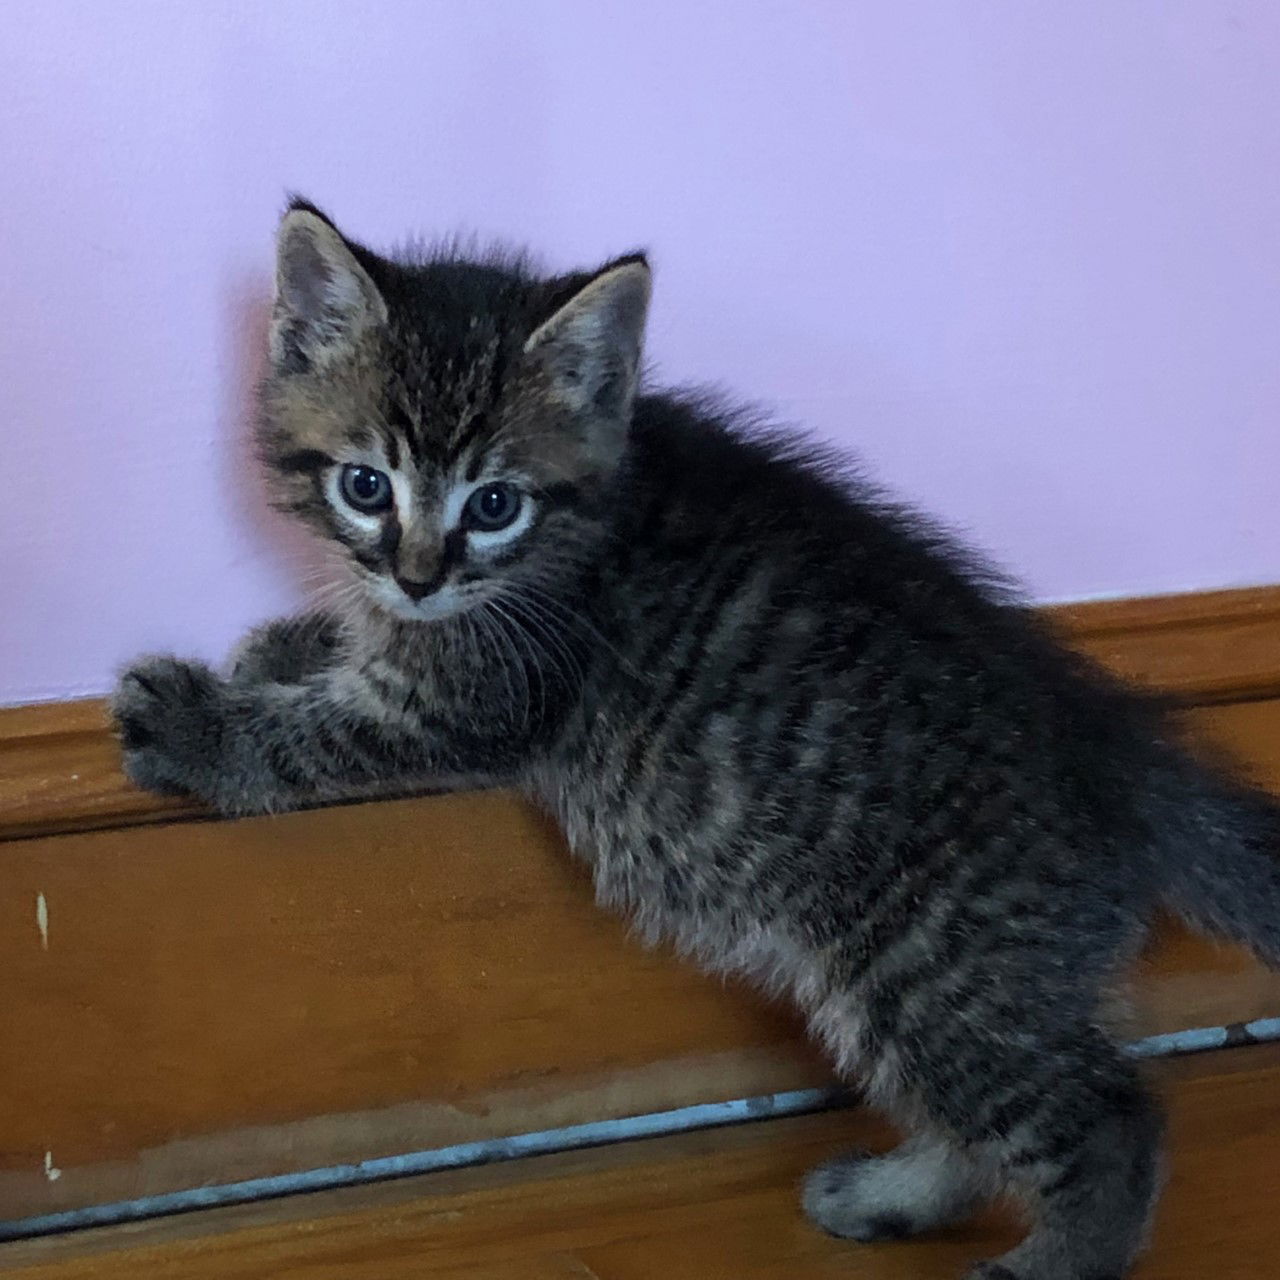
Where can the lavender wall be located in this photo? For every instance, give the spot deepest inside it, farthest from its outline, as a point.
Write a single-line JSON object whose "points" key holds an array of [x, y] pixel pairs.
{"points": [[1024, 257]]}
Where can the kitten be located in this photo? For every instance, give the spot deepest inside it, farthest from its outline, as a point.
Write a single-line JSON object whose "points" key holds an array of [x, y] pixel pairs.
{"points": [[789, 726]]}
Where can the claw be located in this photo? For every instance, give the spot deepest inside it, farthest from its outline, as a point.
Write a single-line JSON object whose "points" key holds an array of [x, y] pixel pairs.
{"points": [[145, 683]]}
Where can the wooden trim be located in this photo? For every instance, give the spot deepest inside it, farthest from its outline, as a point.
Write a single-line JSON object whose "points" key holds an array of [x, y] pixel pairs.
{"points": [[698, 1205], [59, 765], [202, 1002], [60, 771], [1205, 646], [198, 1002]]}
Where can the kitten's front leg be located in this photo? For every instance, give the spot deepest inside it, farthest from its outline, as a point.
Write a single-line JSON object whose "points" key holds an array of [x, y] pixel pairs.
{"points": [[171, 717], [264, 747], [288, 650], [171, 713]]}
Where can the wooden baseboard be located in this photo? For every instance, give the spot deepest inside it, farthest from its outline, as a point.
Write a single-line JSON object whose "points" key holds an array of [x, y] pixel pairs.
{"points": [[60, 771], [1204, 646], [698, 1206], [207, 1002], [197, 1002], [59, 764]]}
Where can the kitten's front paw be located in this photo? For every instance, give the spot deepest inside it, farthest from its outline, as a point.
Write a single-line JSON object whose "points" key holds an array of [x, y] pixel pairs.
{"points": [[170, 715]]}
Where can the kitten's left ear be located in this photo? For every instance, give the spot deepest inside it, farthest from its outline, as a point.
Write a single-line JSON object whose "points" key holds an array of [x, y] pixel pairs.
{"points": [[325, 300], [590, 347]]}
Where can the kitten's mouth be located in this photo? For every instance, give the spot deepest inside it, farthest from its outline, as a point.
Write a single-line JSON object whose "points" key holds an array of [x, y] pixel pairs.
{"points": [[433, 608], [439, 606]]}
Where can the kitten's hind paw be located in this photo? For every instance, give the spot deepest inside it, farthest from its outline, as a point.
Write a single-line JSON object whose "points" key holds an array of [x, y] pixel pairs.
{"points": [[831, 1201], [919, 1187], [169, 716]]}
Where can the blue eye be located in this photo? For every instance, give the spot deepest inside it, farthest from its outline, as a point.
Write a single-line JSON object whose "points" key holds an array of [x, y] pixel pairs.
{"points": [[365, 488], [492, 506]]}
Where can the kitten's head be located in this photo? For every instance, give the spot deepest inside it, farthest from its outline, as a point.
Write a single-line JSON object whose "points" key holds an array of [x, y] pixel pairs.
{"points": [[454, 425]]}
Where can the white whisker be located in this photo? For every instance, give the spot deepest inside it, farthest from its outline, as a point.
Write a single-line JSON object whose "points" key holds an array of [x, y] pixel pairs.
{"points": [[514, 648]]}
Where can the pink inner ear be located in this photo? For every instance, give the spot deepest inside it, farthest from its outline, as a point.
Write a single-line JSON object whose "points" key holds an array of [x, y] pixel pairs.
{"points": [[608, 310], [319, 281], [305, 277]]}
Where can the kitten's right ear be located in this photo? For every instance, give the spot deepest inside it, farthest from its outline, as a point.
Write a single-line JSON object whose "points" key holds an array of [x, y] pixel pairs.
{"points": [[325, 300]]}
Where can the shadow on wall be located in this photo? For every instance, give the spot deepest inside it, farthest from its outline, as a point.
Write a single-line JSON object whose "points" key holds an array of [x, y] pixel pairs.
{"points": [[303, 563]]}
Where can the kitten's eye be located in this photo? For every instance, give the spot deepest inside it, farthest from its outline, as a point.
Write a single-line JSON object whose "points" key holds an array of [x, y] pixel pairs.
{"points": [[366, 488], [492, 506]]}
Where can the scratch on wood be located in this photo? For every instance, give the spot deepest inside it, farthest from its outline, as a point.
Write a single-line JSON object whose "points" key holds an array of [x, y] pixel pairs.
{"points": [[42, 920], [576, 1267], [50, 1170]]}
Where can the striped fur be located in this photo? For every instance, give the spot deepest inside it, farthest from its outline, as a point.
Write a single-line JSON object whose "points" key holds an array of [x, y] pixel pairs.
{"points": [[790, 727]]}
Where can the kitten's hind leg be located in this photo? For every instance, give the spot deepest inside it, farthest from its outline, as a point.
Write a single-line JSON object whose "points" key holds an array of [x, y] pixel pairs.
{"points": [[1089, 1170], [926, 1183], [1065, 1122]]}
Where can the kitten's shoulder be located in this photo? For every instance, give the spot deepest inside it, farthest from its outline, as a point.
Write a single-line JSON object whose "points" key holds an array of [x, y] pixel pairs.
{"points": [[743, 475]]}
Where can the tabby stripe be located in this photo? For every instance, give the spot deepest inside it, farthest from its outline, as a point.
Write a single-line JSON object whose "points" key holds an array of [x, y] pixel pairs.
{"points": [[306, 461], [692, 657]]}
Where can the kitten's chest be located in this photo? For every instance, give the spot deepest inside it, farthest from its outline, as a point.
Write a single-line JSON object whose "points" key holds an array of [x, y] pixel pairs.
{"points": [[663, 845], [685, 882]]}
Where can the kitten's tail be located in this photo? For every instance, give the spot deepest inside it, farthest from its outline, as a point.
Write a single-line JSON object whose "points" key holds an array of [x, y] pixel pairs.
{"points": [[1221, 871]]}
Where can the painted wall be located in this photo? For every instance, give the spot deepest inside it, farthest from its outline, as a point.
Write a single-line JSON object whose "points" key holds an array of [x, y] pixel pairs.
{"points": [[1024, 257]]}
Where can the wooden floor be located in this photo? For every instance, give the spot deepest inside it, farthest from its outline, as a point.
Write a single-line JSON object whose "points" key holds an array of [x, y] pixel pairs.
{"points": [[704, 1206]]}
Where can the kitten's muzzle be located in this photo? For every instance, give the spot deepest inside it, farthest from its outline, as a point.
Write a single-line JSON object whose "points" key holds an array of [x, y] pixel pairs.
{"points": [[417, 590]]}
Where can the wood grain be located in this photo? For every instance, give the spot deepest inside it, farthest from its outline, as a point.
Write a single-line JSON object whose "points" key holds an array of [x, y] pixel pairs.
{"points": [[1204, 645], [226, 1000], [221, 1000], [718, 1205], [59, 765], [214, 1001], [60, 771]]}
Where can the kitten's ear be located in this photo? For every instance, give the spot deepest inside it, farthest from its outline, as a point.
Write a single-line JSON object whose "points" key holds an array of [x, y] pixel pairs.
{"points": [[324, 298], [590, 347]]}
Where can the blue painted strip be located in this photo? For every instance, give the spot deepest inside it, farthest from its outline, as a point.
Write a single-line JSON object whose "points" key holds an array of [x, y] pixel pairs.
{"points": [[576, 1137], [1197, 1040], [1263, 1029], [464, 1154]]}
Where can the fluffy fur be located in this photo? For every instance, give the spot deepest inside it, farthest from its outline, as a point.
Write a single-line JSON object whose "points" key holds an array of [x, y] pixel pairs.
{"points": [[789, 726]]}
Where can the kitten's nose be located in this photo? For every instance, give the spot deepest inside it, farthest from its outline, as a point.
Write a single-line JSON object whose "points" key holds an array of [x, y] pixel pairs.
{"points": [[416, 590]]}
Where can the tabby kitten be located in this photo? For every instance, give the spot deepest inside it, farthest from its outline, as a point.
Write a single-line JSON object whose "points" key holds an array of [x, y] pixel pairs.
{"points": [[790, 727]]}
